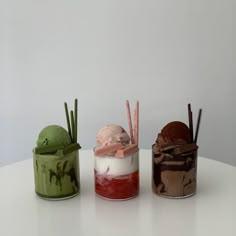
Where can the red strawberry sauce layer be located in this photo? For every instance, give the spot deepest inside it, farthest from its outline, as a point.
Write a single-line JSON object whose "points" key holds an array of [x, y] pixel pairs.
{"points": [[117, 186]]}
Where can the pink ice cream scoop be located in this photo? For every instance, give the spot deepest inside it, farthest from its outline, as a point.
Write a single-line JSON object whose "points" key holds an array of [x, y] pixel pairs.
{"points": [[112, 134], [113, 140]]}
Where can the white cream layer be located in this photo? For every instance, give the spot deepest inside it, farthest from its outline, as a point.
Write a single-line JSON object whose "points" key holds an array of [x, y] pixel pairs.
{"points": [[116, 165]]}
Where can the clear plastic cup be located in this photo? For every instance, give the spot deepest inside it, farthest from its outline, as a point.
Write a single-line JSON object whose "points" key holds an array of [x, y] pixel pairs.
{"points": [[56, 177], [174, 176], [117, 178]]}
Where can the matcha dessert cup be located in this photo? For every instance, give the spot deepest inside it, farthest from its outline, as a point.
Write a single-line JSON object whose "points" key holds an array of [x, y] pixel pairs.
{"points": [[56, 160]]}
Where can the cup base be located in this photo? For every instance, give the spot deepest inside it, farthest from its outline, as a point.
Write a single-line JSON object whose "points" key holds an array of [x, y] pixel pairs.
{"points": [[115, 199], [175, 197], [57, 198]]}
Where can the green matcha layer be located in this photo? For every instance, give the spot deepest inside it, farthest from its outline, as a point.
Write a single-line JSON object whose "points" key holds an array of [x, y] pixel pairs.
{"points": [[56, 176]]}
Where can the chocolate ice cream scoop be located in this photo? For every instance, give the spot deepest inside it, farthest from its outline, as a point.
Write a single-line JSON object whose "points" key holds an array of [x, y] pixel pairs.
{"points": [[175, 131]]}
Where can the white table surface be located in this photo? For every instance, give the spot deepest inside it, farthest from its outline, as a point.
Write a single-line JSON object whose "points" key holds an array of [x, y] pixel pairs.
{"points": [[212, 211]]}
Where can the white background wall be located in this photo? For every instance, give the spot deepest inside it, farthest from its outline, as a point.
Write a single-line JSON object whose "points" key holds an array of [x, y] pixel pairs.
{"points": [[165, 53]]}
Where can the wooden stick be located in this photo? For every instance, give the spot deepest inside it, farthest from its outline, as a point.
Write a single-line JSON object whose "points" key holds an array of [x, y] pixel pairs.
{"points": [[129, 122], [76, 119], [73, 126], [190, 119], [68, 121], [198, 125]]}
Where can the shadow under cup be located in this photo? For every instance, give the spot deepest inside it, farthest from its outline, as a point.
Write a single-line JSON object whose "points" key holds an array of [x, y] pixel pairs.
{"points": [[174, 176], [56, 177]]}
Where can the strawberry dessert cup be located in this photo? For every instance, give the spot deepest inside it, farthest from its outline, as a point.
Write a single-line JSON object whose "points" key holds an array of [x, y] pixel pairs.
{"points": [[116, 170]]}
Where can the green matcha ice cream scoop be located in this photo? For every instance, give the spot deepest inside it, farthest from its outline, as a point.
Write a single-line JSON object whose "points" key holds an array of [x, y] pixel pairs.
{"points": [[53, 135]]}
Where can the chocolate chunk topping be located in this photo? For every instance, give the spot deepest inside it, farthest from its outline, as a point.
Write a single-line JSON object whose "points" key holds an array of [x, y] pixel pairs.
{"points": [[172, 145], [190, 147]]}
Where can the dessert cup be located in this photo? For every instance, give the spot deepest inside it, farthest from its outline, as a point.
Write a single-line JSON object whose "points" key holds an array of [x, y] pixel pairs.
{"points": [[174, 176], [116, 171], [56, 176], [117, 178]]}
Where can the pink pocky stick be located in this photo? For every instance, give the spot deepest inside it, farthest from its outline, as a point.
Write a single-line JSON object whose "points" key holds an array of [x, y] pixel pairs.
{"points": [[129, 121], [136, 123]]}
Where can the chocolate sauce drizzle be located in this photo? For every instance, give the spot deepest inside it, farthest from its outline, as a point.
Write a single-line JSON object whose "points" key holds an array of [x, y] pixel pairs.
{"points": [[160, 164]]}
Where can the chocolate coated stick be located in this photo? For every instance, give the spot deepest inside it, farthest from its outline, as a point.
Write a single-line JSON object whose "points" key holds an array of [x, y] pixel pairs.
{"points": [[198, 125], [190, 119]]}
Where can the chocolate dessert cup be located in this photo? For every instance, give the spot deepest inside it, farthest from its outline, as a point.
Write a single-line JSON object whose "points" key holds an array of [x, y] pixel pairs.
{"points": [[174, 159], [174, 175]]}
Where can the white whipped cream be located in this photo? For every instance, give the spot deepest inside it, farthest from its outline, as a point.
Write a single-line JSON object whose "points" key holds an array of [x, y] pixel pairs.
{"points": [[117, 165]]}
